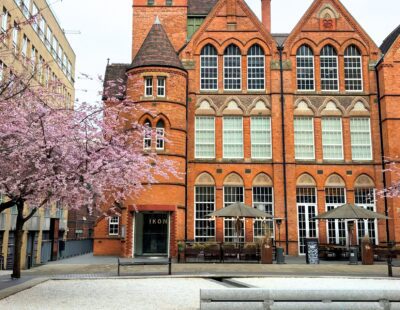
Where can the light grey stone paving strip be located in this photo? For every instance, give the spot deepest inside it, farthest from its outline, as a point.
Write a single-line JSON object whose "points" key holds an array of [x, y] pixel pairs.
{"points": [[9, 291]]}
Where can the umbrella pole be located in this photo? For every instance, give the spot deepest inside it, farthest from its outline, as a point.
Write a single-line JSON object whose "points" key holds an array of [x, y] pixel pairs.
{"points": [[238, 235]]}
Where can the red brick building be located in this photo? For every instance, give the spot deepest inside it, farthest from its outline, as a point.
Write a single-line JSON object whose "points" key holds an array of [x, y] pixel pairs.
{"points": [[288, 123]]}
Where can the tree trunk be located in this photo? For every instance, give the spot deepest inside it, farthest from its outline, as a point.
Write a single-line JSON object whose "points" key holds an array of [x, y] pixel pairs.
{"points": [[19, 233]]}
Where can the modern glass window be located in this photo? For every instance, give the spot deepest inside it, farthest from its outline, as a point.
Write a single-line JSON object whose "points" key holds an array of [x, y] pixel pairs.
{"points": [[49, 36], [329, 69], [147, 135], [306, 198], [4, 20], [232, 68], [148, 87], [261, 146], [209, 68], [204, 205], [233, 194], [305, 68], [33, 58], [233, 137], [360, 129], [365, 198], [35, 12], [42, 26], [337, 229], [24, 48], [26, 6], [332, 138], [160, 135], [353, 69], [205, 137], [255, 68], [113, 226], [161, 86], [263, 201], [1, 80], [304, 137]]}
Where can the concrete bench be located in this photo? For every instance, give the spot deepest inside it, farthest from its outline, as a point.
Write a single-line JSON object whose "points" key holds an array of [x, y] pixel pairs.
{"points": [[147, 262], [254, 299]]}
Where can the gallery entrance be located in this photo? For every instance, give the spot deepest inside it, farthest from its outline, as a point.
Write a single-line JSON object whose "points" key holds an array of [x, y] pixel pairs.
{"points": [[151, 234]]}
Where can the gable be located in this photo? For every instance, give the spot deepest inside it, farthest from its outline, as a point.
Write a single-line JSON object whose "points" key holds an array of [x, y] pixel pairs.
{"points": [[230, 19], [330, 19]]}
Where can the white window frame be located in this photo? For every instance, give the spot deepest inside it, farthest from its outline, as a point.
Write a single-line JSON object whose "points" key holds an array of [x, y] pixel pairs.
{"points": [[226, 204], [361, 72], [297, 157], [336, 223], [370, 139], [24, 48], [196, 144], [298, 68], [161, 81], [272, 203], [268, 135], [112, 222], [4, 20], [197, 220], [148, 87], [371, 207], [336, 59], [324, 135], [224, 142], [208, 67], [258, 68], [233, 68], [15, 35], [308, 218], [160, 139], [147, 137]]}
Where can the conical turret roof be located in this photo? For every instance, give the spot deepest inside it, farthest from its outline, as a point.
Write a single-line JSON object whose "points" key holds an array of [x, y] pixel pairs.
{"points": [[156, 50]]}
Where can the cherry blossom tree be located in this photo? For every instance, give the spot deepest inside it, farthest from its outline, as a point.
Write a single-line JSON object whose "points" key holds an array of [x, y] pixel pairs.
{"points": [[88, 156]]}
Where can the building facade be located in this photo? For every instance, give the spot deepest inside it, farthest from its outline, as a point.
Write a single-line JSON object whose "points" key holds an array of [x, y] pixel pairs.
{"points": [[34, 47], [287, 123]]}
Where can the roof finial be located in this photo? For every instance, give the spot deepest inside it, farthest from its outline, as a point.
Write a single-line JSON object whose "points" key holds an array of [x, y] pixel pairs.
{"points": [[157, 21]]}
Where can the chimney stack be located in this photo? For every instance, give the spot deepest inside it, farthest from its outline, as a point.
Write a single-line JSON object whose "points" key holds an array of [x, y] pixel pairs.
{"points": [[266, 14]]}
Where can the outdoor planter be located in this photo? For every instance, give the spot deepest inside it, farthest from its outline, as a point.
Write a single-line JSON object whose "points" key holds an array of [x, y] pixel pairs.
{"points": [[212, 252], [266, 253], [367, 252], [250, 252]]}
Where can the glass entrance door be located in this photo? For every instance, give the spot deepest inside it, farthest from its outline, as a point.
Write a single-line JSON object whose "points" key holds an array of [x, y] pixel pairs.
{"points": [[155, 233]]}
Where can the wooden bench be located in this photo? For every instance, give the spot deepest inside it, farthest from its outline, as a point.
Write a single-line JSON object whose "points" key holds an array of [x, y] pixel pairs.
{"points": [[157, 262]]}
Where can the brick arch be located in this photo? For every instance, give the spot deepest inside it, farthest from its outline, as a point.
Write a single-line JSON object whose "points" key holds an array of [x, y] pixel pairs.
{"points": [[212, 110], [361, 46], [262, 179], [164, 118], [306, 180], [313, 110], [264, 46], [335, 180], [253, 108], [303, 41], [337, 104], [233, 179], [204, 42], [328, 41], [205, 178], [146, 117], [233, 41], [351, 109], [226, 104], [364, 181]]}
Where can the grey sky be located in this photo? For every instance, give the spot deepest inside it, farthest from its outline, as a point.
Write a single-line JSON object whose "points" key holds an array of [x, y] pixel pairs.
{"points": [[105, 28]]}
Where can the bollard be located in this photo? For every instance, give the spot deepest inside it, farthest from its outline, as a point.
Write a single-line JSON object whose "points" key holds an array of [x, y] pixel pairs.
{"points": [[280, 256]]}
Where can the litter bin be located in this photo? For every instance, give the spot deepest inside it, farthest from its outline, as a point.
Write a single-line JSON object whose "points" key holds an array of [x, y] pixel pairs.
{"points": [[312, 251], [280, 256], [353, 258]]}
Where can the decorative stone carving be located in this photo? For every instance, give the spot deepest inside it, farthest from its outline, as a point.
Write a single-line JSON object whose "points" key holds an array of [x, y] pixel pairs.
{"points": [[234, 180], [205, 179], [306, 180], [364, 181], [262, 180], [335, 181]]}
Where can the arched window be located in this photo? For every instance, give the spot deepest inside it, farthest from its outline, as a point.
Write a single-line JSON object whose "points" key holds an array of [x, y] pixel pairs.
{"points": [[160, 134], [353, 75], [306, 197], [329, 68], [263, 200], [233, 192], [256, 68], [232, 68], [335, 196], [204, 205], [208, 68], [305, 68], [147, 135], [364, 196]]}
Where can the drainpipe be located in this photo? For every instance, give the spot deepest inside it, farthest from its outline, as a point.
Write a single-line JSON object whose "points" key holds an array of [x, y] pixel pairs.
{"points": [[280, 49], [382, 146], [186, 154]]}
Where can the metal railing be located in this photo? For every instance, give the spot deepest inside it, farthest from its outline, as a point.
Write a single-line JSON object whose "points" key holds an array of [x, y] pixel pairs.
{"points": [[72, 248]]}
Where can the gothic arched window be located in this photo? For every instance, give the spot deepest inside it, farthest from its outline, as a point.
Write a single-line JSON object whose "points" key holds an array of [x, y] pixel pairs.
{"points": [[256, 68], [329, 68], [232, 68], [305, 68], [209, 68], [353, 75]]}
